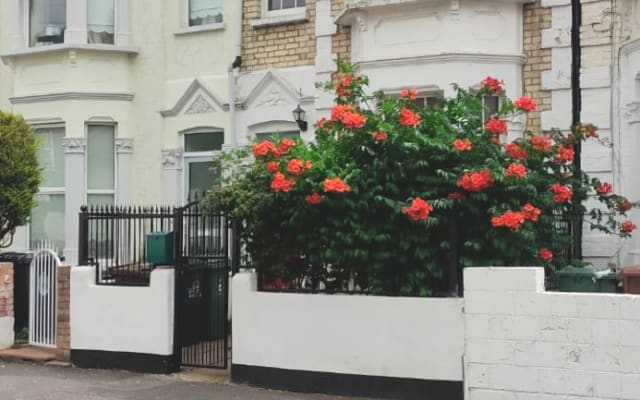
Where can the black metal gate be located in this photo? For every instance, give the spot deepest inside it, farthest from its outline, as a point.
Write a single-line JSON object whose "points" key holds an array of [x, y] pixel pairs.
{"points": [[202, 287]]}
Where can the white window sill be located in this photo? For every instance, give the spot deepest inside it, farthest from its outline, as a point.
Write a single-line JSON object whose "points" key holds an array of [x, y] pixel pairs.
{"points": [[200, 28], [272, 20], [109, 48]]}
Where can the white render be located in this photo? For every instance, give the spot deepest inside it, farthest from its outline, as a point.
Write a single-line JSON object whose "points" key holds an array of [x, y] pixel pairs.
{"points": [[6, 332], [122, 319], [419, 338]]}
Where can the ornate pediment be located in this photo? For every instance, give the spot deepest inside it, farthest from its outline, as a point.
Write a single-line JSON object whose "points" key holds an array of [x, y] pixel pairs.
{"points": [[273, 90], [197, 99]]}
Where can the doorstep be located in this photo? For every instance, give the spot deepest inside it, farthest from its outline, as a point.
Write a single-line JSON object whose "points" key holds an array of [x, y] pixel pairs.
{"points": [[29, 353]]}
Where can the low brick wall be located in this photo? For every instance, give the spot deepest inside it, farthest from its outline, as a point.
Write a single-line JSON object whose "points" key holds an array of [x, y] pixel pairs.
{"points": [[63, 334], [6, 305]]}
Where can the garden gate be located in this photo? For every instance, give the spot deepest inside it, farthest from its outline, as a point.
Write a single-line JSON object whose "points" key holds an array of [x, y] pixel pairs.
{"points": [[42, 289], [202, 287]]}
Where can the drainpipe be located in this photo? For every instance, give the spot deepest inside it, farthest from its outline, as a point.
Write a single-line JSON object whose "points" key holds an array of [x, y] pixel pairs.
{"points": [[576, 102], [232, 79]]}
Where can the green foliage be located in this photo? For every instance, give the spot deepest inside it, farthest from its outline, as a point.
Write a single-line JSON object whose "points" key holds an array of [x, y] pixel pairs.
{"points": [[20, 174], [365, 236]]}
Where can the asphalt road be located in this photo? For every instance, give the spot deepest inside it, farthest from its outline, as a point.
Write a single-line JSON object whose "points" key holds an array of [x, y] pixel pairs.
{"points": [[35, 382]]}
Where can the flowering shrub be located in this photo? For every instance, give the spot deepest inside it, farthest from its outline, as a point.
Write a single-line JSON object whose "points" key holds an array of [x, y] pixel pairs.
{"points": [[390, 196]]}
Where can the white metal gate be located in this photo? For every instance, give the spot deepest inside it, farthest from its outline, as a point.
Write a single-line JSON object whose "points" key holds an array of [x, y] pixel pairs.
{"points": [[42, 292]]}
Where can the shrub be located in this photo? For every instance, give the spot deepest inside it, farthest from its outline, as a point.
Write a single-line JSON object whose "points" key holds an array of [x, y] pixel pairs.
{"points": [[19, 174], [390, 194]]}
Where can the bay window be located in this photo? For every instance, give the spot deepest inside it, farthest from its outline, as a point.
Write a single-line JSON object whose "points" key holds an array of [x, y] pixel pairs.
{"points": [[101, 21], [205, 12], [47, 22]]}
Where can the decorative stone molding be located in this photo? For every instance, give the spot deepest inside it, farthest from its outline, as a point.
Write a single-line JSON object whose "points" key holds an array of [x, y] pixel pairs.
{"points": [[195, 87], [42, 98], [631, 112], [74, 145], [200, 106], [124, 146], [172, 159]]}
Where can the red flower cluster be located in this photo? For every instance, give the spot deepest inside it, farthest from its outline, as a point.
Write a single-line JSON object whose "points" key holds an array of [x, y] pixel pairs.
{"points": [[623, 205], [561, 193], [540, 143], [496, 126], [409, 118], [380, 136], [320, 123], [493, 84], [285, 146], [282, 184], [462, 144], [336, 185], [545, 255], [510, 219], [530, 212], [410, 94], [297, 166], [604, 188], [525, 103], [456, 196], [628, 227], [343, 87], [344, 113], [476, 181], [565, 154], [273, 166], [263, 149], [516, 170], [515, 151], [313, 198], [419, 209]]}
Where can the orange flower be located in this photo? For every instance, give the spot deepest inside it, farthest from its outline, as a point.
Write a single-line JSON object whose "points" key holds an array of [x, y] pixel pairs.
{"points": [[295, 166], [380, 136], [353, 120], [515, 151], [623, 205], [510, 219], [313, 198], [273, 166], [628, 227], [530, 212], [545, 255], [409, 118], [516, 170], [496, 126], [308, 165], [282, 184], [476, 181], [335, 185], [419, 209], [346, 81], [410, 94], [320, 123], [525, 103], [561, 193], [263, 149], [338, 112], [604, 188], [540, 143], [286, 145], [493, 84], [462, 145], [565, 154]]}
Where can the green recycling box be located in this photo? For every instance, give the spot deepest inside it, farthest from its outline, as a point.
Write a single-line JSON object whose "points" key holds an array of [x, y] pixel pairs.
{"points": [[160, 248], [586, 279]]}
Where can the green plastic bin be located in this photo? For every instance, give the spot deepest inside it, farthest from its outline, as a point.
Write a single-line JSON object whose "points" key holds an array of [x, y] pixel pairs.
{"points": [[585, 279], [160, 248]]}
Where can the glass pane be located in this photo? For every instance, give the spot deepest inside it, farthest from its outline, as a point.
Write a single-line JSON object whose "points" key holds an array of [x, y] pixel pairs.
{"points": [[100, 157], [202, 177], [47, 22], [275, 5], [203, 12], [210, 141], [491, 105], [288, 3], [100, 21], [51, 156], [271, 136], [47, 220], [100, 200]]}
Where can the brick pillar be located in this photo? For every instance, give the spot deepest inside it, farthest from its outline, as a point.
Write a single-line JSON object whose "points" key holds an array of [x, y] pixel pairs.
{"points": [[6, 305], [63, 336]]}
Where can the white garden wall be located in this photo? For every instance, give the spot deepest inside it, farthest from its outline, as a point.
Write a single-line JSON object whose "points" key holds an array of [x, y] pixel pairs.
{"points": [[361, 335], [6, 332], [523, 343], [122, 319]]}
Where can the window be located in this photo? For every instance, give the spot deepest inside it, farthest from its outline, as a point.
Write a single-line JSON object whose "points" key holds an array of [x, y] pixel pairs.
{"points": [[428, 100], [47, 218], [205, 12], [101, 161], [282, 135], [277, 5], [491, 105], [201, 149], [47, 22], [100, 21]]}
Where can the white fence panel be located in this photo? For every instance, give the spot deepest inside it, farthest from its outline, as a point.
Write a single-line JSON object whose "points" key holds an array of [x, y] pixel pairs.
{"points": [[42, 292]]}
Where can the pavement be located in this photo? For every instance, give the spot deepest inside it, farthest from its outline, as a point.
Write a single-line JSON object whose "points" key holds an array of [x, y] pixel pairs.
{"points": [[21, 381]]}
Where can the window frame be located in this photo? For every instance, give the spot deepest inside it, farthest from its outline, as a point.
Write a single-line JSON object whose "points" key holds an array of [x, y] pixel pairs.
{"points": [[26, 11], [186, 26], [295, 11], [114, 191], [196, 156], [116, 12]]}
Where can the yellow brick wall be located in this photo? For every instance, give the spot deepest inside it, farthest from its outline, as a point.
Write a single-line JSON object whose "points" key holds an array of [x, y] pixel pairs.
{"points": [[280, 46], [536, 18], [341, 41]]}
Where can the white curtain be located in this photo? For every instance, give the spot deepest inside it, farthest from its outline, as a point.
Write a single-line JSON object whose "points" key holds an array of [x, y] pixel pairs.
{"points": [[205, 12], [100, 21]]}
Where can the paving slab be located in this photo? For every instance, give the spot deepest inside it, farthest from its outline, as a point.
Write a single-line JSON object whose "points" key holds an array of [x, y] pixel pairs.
{"points": [[28, 353]]}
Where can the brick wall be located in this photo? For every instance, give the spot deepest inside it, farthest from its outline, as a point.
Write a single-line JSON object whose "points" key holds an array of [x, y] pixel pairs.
{"points": [[63, 339], [279, 46], [341, 41], [6, 305], [536, 18], [524, 343]]}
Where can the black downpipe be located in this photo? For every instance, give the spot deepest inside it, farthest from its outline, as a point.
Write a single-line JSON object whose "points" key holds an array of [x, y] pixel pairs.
{"points": [[576, 100]]}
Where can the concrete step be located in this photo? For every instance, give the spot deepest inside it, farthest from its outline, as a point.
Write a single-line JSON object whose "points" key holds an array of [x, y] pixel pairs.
{"points": [[28, 353]]}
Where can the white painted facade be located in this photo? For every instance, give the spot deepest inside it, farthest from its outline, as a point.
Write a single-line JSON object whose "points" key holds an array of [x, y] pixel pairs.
{"points": [[122, 319], [6, 332], [362, 335]]}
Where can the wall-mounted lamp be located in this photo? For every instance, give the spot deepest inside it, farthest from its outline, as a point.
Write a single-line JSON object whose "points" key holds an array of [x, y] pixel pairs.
{"points": [[300, 117]]}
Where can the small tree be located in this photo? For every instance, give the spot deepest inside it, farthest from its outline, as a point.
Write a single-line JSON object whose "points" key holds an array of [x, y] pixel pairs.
{"points": [[20, 174]]}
